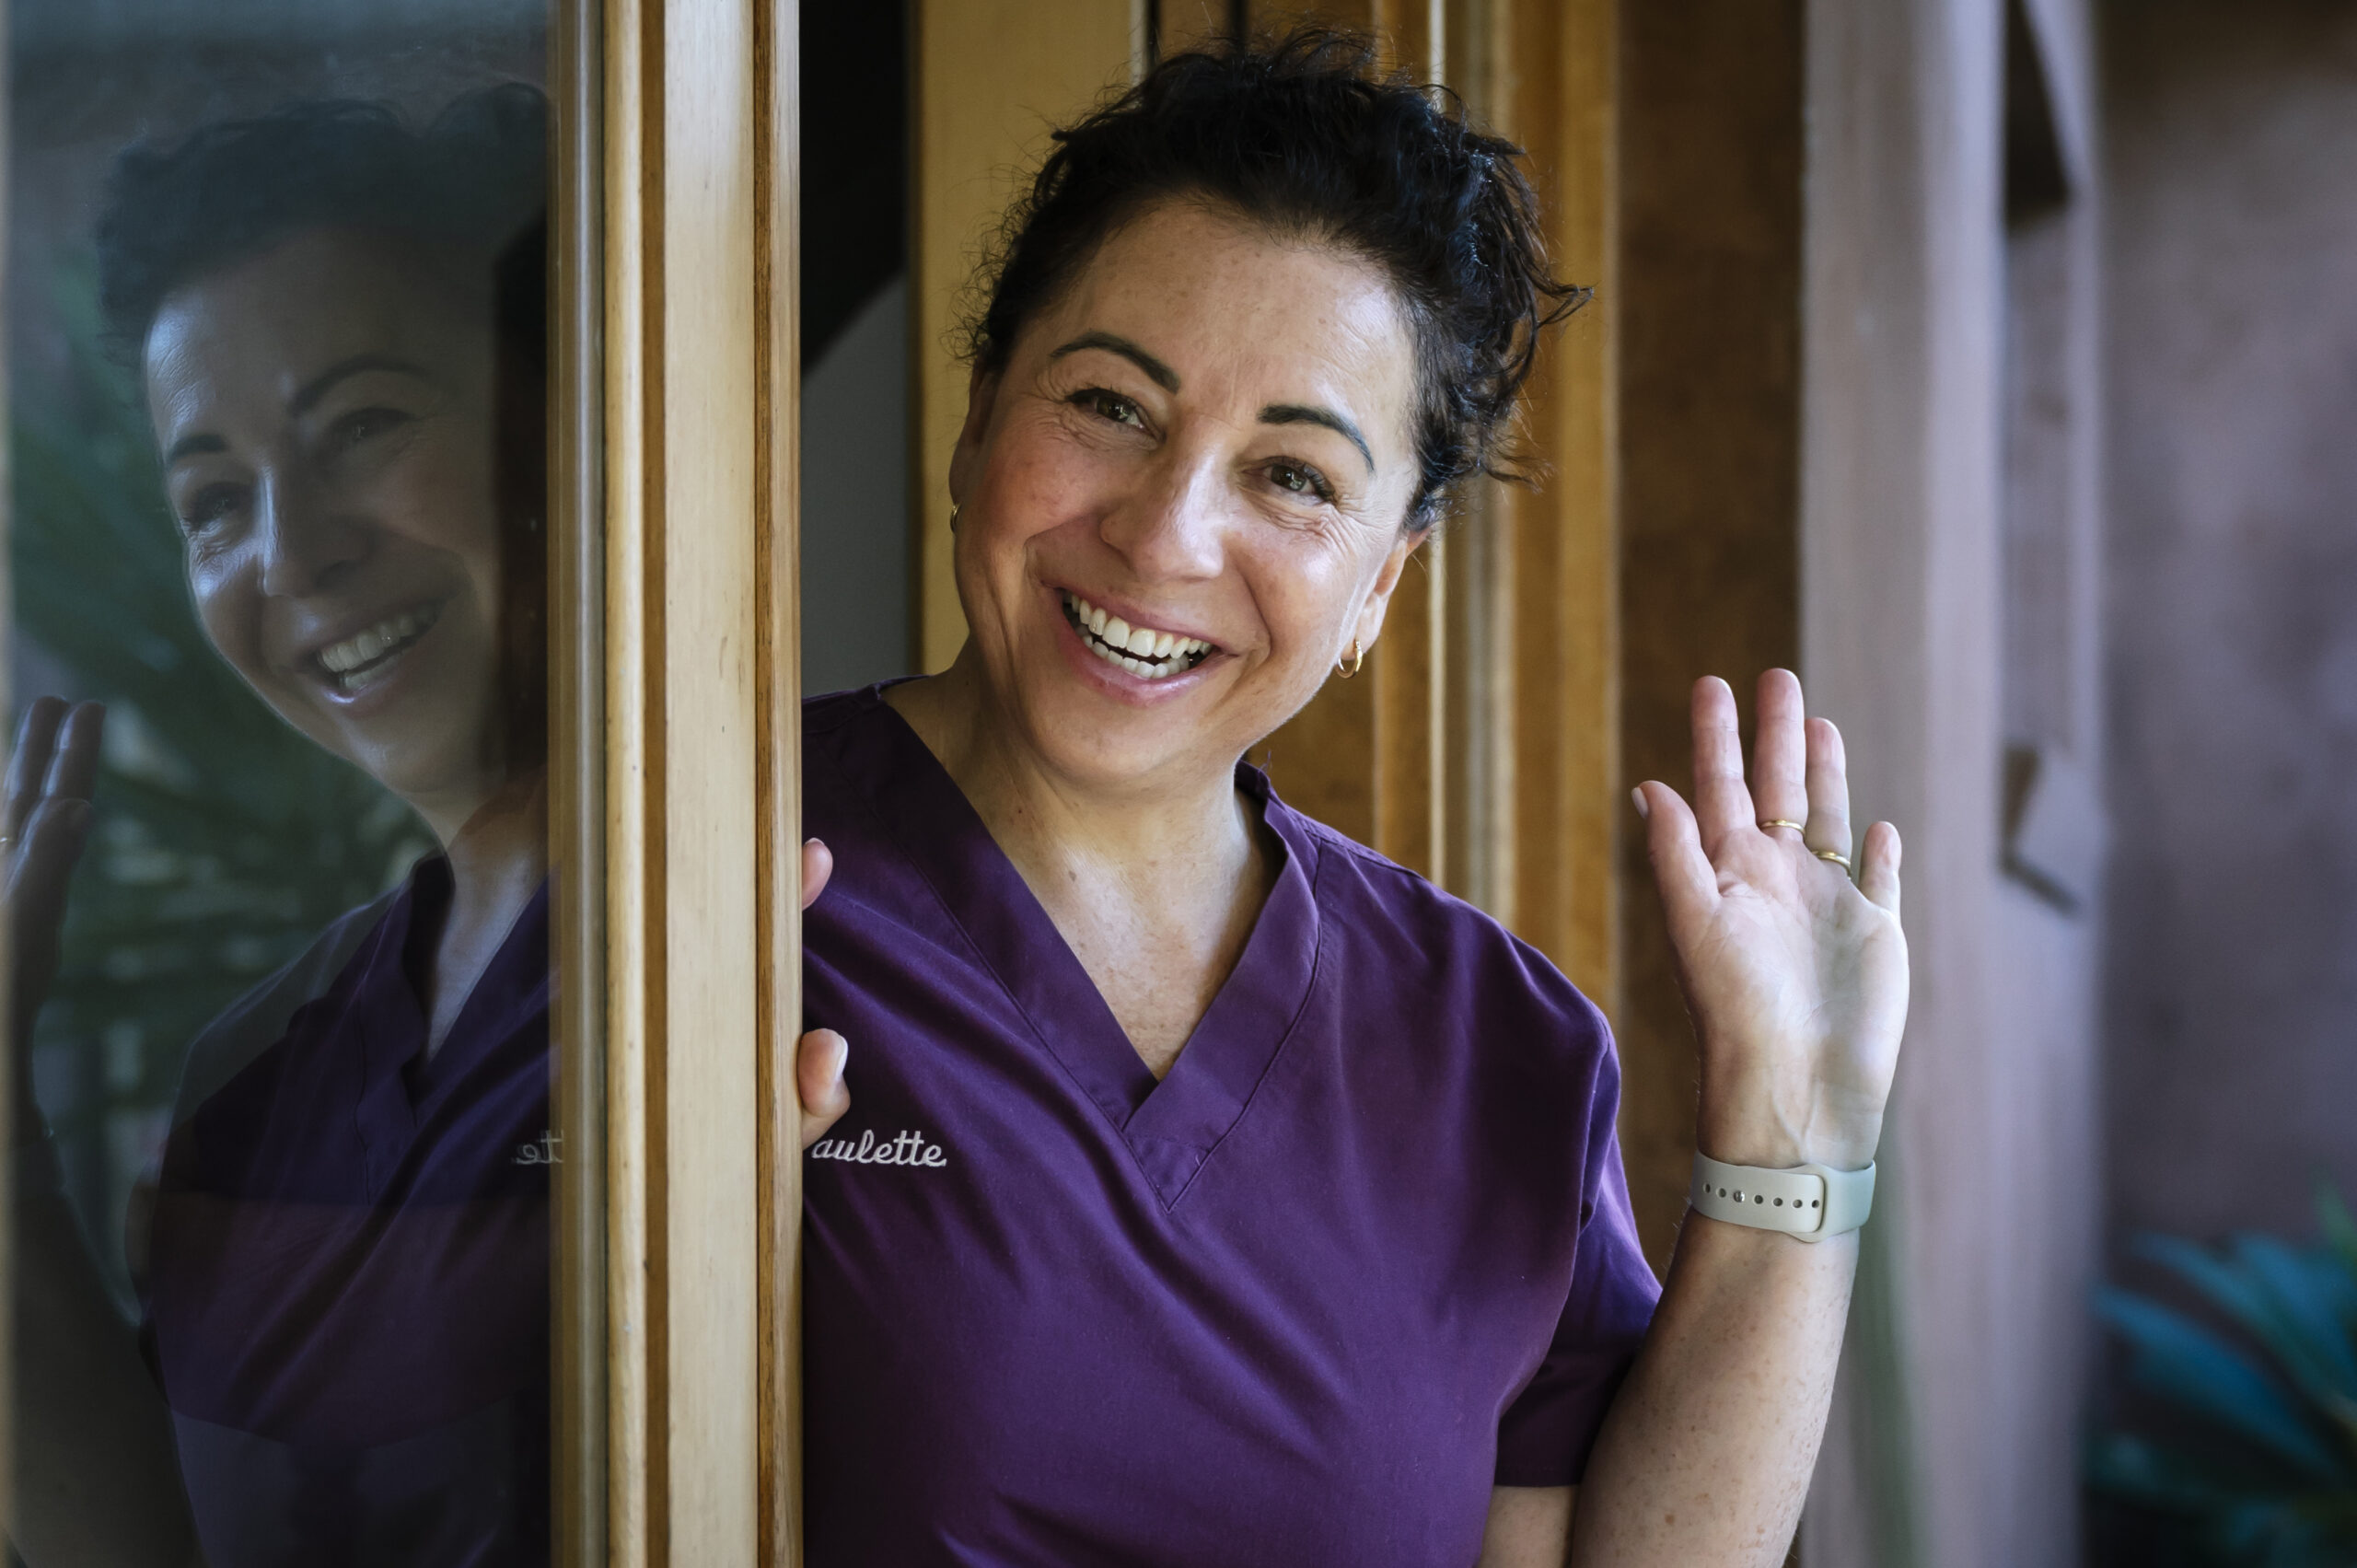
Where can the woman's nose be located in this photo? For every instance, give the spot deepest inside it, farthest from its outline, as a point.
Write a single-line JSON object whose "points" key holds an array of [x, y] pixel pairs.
{"points": [[1170, 528], [306, 542]]}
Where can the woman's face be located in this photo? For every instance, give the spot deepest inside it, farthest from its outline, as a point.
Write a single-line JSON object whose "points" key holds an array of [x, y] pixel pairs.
{"points": [[1207, 437], [325, 418]]}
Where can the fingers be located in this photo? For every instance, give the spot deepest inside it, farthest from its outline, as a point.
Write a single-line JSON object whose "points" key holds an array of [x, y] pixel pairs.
{"points": [[74, 768], [52, 840], [819, 1078], [1683, 872], [1779, 790], [48, 851], [1878, 868], [1722, 804], [818, 864], [1828, 790], [36, 744]]}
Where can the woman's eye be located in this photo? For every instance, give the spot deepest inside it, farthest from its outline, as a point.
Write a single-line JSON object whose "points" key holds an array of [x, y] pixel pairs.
{"points": [[1113, 406], [362, 425], [1301, 479], [209, 505]]}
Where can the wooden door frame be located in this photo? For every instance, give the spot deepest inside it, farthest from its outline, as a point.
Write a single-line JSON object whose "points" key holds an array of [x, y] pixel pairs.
{"points": [[676, 744]]}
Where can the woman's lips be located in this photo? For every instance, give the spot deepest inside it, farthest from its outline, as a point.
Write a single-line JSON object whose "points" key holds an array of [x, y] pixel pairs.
{"points": [[1145, 652], [362, 660]]}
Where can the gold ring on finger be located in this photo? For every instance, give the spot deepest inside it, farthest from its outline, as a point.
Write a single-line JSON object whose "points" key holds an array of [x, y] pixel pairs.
{"points": [[1771, 824], [1841, 860]]}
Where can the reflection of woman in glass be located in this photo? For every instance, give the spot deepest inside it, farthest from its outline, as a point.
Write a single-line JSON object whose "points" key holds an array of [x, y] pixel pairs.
{"points": [[339, 326]]}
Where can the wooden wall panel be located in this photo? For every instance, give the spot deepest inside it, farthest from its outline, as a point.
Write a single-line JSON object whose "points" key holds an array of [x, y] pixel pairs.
{"points": [[1710, 435], [1551, 73], [992, 77]]}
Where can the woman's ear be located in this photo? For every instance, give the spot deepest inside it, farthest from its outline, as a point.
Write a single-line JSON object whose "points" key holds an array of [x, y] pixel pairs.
{"points": [[1378, 598], [982, 392]]}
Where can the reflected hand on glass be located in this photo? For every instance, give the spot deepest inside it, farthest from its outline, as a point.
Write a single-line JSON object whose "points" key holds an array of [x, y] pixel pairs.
{"points": [[1796, 976], [820, 1058], [43, 825]]}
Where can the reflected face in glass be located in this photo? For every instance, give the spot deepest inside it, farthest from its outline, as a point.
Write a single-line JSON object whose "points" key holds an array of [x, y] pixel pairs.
{"points": [[324, 411]]}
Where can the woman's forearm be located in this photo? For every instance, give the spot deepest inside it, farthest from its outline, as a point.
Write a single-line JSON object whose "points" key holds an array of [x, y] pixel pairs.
{"points": [[96, 1479], [1705, 1458]]}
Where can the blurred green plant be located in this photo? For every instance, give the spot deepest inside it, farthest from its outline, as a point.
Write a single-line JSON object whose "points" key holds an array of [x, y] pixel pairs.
{"points": [[225, 840], [2259, 1462]]}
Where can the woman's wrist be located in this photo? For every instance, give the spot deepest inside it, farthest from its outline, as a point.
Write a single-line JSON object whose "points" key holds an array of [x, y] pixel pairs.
{"points": [[1755, 1125]]}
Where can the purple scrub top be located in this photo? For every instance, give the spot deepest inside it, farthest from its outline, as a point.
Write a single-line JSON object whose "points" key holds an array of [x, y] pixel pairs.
{"points": [[347, 1300], [1365, 1252]]}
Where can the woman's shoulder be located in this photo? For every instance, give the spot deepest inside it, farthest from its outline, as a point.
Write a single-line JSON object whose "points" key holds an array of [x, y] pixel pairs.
{"points": [[1387, 922], [249, 1026]]}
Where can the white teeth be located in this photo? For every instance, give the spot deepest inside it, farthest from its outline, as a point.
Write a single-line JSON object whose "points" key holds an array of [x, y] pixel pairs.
{"points": [[367, 646], [1141, 650]]}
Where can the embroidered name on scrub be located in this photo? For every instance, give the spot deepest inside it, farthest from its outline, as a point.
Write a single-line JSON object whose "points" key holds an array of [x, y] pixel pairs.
{"points": [[901, 1148]]}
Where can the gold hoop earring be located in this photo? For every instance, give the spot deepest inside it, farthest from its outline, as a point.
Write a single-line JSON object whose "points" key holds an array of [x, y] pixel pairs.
{"points": [[1344, 672], [953, 517]]}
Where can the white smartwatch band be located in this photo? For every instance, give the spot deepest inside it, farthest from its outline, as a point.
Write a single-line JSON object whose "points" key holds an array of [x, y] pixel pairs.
{"points": [[1811, 1201]]}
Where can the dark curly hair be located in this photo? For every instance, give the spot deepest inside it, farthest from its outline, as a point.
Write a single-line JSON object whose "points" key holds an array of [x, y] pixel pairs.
{"points": [[469, 189], [473, 183], [1303, 135]]}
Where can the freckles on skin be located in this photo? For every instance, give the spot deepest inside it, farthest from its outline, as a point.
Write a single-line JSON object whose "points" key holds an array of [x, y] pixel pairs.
{"points": [[1171, 512]]}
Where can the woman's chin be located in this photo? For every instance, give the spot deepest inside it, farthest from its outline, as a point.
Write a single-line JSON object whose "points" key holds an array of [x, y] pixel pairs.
{"points": [[1112, 730]]}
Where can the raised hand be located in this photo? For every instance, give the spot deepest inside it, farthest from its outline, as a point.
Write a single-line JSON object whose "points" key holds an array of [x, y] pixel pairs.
{"points": [[44, 821], [1796, 976], [821, 1059]]}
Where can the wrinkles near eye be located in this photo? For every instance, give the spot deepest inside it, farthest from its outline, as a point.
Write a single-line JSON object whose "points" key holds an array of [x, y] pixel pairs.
{"points": [[1300, 479], [210, 506], [1110, 406], [362, 426]]}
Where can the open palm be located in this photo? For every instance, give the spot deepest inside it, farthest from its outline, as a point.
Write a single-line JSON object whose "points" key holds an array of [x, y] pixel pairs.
{"points": [[1795, 975]]}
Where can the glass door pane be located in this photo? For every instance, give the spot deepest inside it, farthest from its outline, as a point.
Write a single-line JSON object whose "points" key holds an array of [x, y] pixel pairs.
{"points": [[277, 823]]}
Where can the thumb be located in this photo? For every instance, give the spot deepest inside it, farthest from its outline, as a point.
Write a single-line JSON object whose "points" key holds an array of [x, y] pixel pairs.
{"points": [[819, 1076]]}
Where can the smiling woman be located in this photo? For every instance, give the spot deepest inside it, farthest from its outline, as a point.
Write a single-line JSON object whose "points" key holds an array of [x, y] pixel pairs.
{"points": [[341, 1252], [1280, 1217]]}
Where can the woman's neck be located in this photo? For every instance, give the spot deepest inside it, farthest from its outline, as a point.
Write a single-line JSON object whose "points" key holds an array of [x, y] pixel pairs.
{"points": [[499, 858], [1155, 889], [1179, 827]]}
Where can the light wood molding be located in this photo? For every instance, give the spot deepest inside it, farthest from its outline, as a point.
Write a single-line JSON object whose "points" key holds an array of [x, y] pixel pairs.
{"points": [[699, 769], [992, 78]]}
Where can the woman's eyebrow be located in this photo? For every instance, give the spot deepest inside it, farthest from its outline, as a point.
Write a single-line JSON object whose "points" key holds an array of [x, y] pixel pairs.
{"points": [[1301, 413], [203, 444], [319, 386], [1160, 374]]}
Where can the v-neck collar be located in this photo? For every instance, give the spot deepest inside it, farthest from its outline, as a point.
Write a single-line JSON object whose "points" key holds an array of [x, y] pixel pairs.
{"points": [[1171, 1126], [398, 1086]]}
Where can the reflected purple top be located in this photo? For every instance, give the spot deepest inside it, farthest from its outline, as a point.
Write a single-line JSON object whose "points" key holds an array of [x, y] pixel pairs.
{"points": [[348, 1288], [1364, 1253]]}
